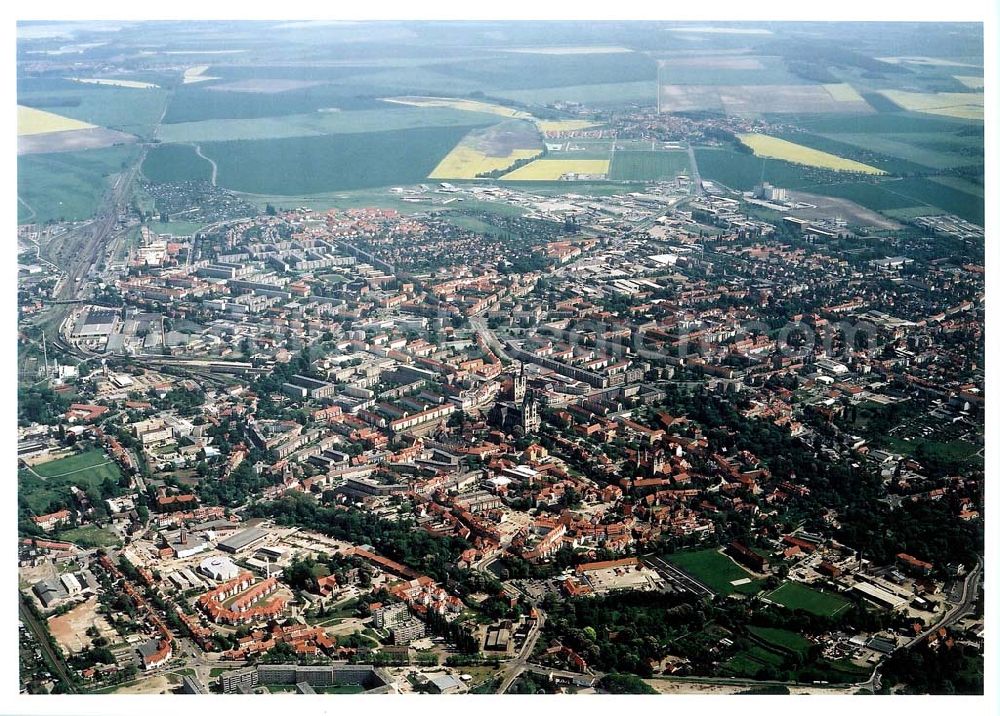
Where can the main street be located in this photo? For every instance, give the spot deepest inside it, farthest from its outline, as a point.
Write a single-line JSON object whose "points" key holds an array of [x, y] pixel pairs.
{"points": [[514, 668]]}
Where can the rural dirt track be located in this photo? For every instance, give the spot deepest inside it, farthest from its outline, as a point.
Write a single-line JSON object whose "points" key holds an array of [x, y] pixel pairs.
{"points": [[215, 169]]}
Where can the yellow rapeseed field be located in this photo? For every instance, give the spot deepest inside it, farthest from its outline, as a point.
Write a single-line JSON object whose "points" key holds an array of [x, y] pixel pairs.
{"points": [[552, 169], [964, 105], [971, 81], [38, 121], [131, 84], [196, 74], [563, 125], [843, 92], [774, 148], [469, 105], [464, 162]]}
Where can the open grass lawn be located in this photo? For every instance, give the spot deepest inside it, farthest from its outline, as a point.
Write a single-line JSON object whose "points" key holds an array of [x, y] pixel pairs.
{"points": [[52, 480], [715, 570], [782, 639], [954, 451], [648, 166], [89, 536], [748, 662], [798, 596]]}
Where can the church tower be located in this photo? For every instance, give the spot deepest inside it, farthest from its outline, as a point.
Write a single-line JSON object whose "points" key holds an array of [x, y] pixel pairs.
{"points": [[520, 385], [531, 418]]}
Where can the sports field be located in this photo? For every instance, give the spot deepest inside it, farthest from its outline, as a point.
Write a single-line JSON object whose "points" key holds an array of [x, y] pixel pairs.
{"points": [[38, 121], [793, 595], [775, 148], [41, 484], [716, 570], [553, 169], [92, 460], [90, 536], [963, 105]]}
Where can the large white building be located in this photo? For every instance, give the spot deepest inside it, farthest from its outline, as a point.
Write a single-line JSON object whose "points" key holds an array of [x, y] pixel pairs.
{"points": [[219, 568]]}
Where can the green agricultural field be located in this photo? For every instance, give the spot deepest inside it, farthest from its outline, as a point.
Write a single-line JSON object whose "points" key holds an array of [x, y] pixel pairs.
{"points": [[944, 152], [715, 570], [723, 70], [320, 123], [920, 190], [782, 639], [893, 162], [648, 166], [66, 185], [887, 123], [89, 536], [516, 71], [175, 163], [960, 184], [597, 95], [794, 595], [877, 195], [744, 171], [134, 111], [314, 165], [38, 486], [195, 102]]}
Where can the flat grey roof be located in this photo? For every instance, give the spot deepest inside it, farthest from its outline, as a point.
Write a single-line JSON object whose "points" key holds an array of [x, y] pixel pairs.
{"points": [[242, 539]]}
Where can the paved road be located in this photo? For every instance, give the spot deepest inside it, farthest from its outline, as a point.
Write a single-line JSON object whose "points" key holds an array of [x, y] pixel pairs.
{"points": [[695, 174], [970, 591], [515, 667]]}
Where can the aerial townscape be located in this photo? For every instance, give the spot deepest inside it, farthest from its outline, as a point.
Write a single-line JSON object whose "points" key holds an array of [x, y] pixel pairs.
{"points": [[500, 358]]}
